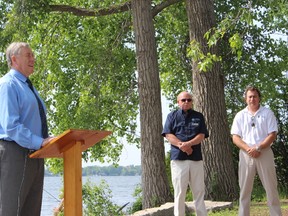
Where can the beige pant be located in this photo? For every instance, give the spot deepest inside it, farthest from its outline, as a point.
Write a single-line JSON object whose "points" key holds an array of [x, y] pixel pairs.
{"points": [[265, 167], [184, 173]]}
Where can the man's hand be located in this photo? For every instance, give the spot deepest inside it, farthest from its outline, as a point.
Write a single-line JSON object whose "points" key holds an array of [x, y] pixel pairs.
{"points": [[189, 151], [252, 152], [186, 147], [46, 141]]}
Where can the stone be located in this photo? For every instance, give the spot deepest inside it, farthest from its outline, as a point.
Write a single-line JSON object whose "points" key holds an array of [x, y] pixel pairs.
{"points": [[167, 208]]}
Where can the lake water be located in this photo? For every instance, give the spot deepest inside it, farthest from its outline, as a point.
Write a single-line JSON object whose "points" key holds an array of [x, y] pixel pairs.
{"points": [[122, 189]]}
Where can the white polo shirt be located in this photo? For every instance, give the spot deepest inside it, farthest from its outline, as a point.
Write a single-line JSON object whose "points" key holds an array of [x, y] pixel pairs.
{"points": [[254, 129]]}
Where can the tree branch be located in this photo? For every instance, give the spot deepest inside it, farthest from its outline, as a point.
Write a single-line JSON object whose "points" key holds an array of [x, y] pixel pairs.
{"points": [[87, 12], [107, 11], [158, 8]]}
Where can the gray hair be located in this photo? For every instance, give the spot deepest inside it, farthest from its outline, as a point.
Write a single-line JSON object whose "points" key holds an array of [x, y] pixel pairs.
{"points": [[14, 49]]}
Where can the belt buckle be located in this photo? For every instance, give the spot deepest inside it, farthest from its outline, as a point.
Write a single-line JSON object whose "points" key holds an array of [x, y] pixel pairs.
{"points": [[30, 151]]}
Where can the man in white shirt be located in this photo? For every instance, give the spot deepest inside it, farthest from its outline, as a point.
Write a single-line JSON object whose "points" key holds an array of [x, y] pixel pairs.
{"points": [[254, 129]]}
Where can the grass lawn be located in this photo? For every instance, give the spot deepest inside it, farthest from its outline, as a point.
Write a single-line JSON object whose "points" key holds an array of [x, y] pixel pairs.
{"points": [[257, 209]]}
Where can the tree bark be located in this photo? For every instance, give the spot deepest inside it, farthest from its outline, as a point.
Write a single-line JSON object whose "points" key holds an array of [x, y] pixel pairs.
{"points": [[155, 186], [208, 95]]}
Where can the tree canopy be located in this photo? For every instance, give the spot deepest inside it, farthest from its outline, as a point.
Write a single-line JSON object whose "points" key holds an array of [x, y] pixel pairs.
{"points": [[86, 61]]}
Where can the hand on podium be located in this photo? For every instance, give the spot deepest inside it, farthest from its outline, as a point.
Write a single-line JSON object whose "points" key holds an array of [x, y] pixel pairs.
{"points": [[47, 140]]}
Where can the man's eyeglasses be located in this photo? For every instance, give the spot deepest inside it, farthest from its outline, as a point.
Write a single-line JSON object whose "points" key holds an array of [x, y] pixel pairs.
{"points": [[188, 100], [253, 123]]}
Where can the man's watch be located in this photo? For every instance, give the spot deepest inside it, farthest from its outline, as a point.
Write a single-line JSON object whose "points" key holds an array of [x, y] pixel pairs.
{"points": [[258, 148]]}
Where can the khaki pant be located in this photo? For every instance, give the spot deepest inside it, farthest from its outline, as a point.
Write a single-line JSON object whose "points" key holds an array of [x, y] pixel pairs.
{"points": [[265, 167], [184, 173]]}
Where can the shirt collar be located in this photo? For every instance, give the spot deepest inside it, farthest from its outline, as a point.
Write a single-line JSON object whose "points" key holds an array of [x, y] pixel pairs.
{"points": [[259, 110], [18, 75], [188, 111]]}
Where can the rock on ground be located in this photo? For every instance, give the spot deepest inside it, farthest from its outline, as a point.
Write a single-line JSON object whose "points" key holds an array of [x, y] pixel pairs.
{"points": [[167, 208]]}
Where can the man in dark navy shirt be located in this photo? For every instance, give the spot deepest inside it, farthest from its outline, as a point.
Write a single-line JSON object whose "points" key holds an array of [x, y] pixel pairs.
{"points": [[185, 129]]}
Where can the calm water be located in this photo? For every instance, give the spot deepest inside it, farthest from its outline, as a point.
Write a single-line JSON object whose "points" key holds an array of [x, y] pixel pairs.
{"points": [[122, 188]]}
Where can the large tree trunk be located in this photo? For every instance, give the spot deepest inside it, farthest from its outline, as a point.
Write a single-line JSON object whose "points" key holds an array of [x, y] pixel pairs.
{"points": [[155, 186], [208, 94]]}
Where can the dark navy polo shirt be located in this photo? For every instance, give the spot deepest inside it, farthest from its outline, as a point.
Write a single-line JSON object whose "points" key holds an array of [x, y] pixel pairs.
{"points": [[185, 126]]}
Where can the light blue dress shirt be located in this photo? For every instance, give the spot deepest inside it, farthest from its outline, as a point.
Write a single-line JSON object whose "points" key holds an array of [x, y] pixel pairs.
{"points": [[19, 114]]}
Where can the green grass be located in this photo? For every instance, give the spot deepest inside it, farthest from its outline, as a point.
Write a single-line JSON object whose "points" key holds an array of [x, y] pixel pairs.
{"points": [[256, 209], [258, 204]]}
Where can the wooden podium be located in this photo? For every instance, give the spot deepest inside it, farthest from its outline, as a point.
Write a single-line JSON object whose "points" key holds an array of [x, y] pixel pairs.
{"points": [[70, 145]]}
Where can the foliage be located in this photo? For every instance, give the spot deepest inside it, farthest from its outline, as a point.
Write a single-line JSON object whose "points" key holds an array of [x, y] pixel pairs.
{"points": [[174, 66], [96, 200], [258, 193], [168, 170], [80, 63], [54, 165], [137, 205], [281, 156], [205, 61]]}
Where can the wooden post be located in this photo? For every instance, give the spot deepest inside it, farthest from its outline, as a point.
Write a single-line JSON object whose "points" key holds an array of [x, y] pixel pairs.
{"points": [[73, 180]]}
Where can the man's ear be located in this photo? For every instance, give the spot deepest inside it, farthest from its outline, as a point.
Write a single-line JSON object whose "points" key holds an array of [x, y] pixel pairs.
{"points": [[13, 59]]}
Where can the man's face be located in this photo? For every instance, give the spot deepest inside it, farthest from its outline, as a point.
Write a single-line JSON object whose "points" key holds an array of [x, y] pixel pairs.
{"points": [[185, 101], [24, 61], [252, 99]]}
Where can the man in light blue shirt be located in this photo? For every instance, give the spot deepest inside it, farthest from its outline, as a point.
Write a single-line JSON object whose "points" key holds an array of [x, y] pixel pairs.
{"points": [[21, 178]]}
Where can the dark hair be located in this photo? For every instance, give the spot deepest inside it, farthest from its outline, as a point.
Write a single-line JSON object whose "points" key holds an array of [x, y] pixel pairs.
{"points": [[251, 88]]}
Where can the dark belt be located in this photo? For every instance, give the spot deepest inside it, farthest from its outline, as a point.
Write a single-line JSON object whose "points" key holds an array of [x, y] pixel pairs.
{"points": [[30, 151], [7, 141]]}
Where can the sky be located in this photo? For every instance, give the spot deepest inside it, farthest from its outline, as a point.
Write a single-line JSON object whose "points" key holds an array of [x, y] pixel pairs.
{"points": [[131, 155]]}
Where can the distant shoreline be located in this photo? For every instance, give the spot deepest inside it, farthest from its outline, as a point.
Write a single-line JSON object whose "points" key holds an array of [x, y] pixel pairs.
{"points": [[132, 170]]}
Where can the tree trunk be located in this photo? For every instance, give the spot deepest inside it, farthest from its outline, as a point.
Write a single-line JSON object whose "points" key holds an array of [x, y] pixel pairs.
{"points": [[155, 186], [208, 94]]}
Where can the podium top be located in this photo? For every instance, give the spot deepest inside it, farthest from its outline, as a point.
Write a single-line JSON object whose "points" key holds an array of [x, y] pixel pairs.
{"points": [[67, 139]]}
